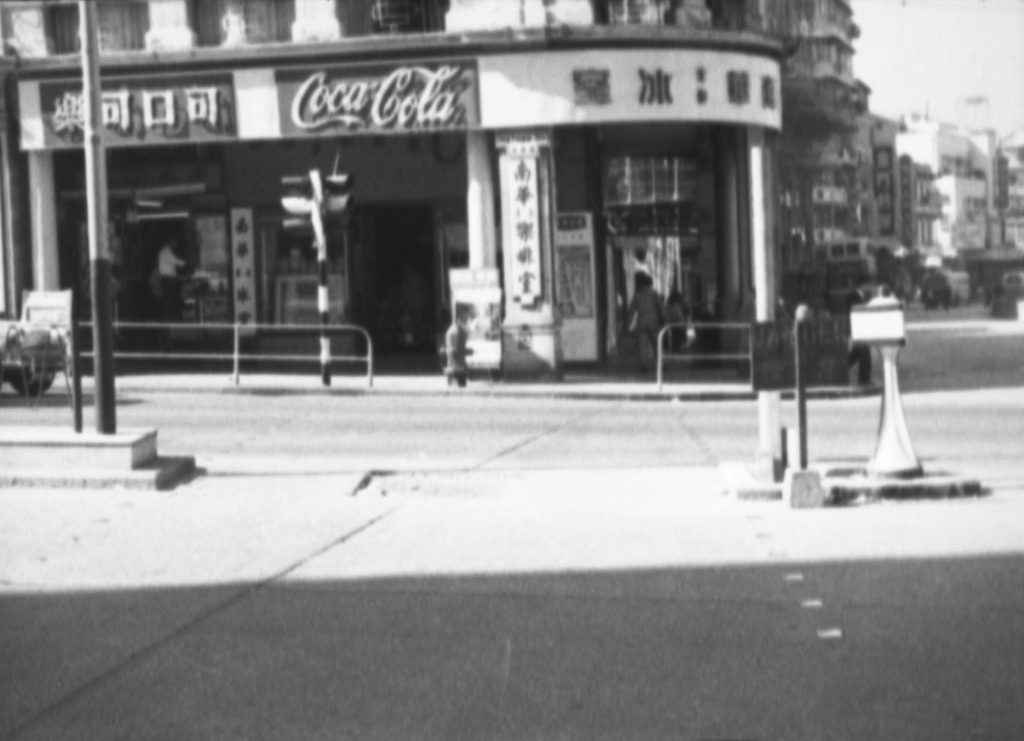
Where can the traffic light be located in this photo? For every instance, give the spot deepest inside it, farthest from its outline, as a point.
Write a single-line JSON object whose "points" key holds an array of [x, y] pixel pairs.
{"points": [[337, 194], [305, 198], [297, 197]]}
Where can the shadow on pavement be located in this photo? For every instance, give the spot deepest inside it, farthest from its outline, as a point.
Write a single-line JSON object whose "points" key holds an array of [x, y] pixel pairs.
{"points": [[908, 649]]}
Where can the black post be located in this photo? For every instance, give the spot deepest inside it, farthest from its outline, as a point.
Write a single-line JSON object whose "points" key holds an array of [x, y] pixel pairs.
{"points": [[96, 194], [76, 366]]}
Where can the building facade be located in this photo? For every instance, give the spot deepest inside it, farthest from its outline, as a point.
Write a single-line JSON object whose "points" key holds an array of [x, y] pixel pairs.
{"points": [[963, 164], [819, 159], [1011, 209], [551, 149]]}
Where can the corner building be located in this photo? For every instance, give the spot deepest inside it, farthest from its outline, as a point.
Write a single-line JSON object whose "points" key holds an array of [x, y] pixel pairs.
{"points": [[561, 146]]}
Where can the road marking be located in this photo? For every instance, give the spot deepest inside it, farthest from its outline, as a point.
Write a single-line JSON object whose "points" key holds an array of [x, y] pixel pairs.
{"points": [[794, 577], [830, 634], [812, 604]]}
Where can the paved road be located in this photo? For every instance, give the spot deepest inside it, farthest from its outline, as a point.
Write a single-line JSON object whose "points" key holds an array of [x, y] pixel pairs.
{"points": [[518, 569], [532, 604]]}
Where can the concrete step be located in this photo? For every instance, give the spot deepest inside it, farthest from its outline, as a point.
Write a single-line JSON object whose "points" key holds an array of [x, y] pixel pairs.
{"points": [[58, 449]]}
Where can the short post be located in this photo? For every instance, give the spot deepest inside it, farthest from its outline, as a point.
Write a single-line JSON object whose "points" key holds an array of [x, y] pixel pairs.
{"points": [[661, 334], [236, 362], [880, 324], [802, 314], [800, 487], [76, 372]]}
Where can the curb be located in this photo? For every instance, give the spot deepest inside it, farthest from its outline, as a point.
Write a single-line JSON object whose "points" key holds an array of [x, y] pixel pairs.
{"points": [[160, 474], [846, 486], [569, 392]]}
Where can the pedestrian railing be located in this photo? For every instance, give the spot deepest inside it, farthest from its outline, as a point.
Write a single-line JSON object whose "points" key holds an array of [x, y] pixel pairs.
{"points": [[238, 333], [731, 345]]}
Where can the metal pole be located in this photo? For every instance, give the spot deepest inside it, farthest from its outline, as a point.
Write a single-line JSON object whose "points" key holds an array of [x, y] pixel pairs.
{"points": [[801, 382], [96, 195], [76, 371], [322, 299], [235, 359]]}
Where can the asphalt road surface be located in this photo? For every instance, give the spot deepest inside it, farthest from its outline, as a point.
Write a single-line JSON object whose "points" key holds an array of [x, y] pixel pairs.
{"points": [[521, 569]]}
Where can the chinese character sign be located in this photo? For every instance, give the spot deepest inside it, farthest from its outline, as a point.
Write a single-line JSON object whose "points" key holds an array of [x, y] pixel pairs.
{"points": [[134, 111], [522, 233]]}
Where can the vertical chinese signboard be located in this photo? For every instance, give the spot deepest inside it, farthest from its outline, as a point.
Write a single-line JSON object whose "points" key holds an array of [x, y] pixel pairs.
{"points": [[883, 177], [243, 266], [520, 182], [574, 285], [908, 219]]}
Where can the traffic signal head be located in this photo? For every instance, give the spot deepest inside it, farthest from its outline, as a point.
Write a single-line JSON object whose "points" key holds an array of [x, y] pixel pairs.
{"points": [[337, 194], [297, 196]]}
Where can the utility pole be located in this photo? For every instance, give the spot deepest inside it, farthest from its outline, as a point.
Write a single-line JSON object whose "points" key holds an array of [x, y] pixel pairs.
{"points": [[96, 199]]}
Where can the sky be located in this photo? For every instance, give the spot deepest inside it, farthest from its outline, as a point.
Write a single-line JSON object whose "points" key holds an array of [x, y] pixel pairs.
{"points": [[961, 61]]}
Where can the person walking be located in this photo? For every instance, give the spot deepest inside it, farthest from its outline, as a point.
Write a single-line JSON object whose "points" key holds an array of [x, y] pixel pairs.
{"points": [[646, 318]]}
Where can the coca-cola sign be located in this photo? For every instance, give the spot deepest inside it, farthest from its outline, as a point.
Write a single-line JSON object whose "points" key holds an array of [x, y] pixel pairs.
{"points": [[415, 97]]}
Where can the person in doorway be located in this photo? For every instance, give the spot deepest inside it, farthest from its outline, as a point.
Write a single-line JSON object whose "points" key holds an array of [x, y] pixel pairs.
{"points": [[674, 314], [455, 341], [415, 307], [167, 287], [646, 317]]}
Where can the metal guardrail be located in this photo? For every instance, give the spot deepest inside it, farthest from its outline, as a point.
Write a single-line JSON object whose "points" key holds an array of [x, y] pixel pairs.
{"points": [[236, 356], [692, 341]]}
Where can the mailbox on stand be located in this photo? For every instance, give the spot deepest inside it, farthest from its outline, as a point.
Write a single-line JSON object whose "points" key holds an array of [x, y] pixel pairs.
{"points": [[880, 324]]}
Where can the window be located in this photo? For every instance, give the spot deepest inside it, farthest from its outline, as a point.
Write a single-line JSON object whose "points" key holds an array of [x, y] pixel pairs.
{"points": [[122, 26], [397, 16], [643, 12], [650, 180], [243, 21]]}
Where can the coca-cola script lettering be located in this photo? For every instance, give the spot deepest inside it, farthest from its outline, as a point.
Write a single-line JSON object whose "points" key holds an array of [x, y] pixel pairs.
{"points": [[408, 98]]}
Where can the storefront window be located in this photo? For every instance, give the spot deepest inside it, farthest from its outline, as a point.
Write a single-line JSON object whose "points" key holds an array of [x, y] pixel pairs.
{"points": [[651, 225]]}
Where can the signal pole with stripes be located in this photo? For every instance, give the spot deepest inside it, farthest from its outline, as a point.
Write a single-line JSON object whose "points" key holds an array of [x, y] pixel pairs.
{"points": [[322, 296], [318, 197]]}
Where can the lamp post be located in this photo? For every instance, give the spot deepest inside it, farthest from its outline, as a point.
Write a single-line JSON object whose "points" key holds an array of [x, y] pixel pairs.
{"points": [[96, 199]]}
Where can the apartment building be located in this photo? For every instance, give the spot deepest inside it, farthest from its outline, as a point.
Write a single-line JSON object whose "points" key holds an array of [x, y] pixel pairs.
{"points": [[964, 167], [552, 148], [819, 186]]}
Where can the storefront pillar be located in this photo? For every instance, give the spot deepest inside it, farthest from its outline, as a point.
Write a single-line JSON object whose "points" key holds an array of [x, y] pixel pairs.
{"points": [[762, 193], [483, 252], [531, 337], [727, 223], [43, 207]]}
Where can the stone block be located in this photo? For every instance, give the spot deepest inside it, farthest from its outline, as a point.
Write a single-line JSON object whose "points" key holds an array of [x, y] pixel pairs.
{"points": [[803, 489]]}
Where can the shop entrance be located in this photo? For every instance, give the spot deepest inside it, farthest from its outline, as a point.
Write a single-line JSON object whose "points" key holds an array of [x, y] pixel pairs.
{"points": [[144, 239], [400, 280]]}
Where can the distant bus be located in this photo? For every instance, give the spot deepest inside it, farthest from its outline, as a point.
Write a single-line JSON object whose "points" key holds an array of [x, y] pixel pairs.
{"points": [[851, 265]]}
